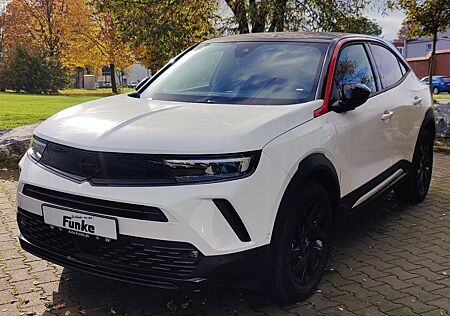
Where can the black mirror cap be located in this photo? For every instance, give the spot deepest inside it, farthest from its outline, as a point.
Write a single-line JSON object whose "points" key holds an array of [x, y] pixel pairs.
{"points": [[352, 96]]}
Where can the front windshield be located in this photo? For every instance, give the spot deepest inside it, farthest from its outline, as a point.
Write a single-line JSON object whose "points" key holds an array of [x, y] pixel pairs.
{"points": [[265, 73]]}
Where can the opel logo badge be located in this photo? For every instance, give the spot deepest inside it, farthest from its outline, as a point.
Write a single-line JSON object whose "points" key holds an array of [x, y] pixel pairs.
{"points": [[88, 166]]}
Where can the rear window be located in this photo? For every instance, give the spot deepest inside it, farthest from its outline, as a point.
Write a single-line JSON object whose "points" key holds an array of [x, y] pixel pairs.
{"points": [[387, 64], [265, 73]]}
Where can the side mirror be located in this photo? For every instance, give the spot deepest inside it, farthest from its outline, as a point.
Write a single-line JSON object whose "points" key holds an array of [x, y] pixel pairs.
{"points": [[352, 96]]}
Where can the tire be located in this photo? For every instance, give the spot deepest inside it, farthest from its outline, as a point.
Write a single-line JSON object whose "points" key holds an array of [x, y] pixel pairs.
{"points": [[301, 242], [415, 188], [435, 90]]}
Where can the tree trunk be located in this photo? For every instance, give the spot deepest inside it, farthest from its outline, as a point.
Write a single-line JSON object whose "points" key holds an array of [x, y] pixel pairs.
{"points": [[240, 13], [431, 63], [112, 68], [279, 15], [79, 78], [259, 14]]}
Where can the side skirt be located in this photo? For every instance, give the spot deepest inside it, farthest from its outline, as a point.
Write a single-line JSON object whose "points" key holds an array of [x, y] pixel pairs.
{"points": [[376, 187]]}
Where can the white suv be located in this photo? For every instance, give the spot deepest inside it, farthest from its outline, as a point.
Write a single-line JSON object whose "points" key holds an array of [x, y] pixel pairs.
{"points": [[238, 156]]}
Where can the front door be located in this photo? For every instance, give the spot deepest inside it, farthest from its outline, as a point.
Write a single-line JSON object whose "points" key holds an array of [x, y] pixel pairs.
{"points": [[364, 134]]}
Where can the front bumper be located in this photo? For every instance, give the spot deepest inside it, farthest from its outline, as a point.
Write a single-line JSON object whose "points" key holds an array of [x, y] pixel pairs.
{"points": [[191, 213], [155, 263], [192, 244]]}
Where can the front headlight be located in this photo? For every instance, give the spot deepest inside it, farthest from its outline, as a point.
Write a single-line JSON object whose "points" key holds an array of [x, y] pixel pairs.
{"points": [[207, 169], [37, 148]]}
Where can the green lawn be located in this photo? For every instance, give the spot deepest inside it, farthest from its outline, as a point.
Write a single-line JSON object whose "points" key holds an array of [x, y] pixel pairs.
{"points": [[103, 92], [442, 96], [23, 109]]}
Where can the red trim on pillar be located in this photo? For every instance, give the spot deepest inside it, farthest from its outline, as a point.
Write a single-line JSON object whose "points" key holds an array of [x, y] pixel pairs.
{"points": [[329, 84]]}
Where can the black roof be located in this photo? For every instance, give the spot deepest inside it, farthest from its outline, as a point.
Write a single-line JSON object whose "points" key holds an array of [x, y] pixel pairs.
{"points": [[283, 36]]}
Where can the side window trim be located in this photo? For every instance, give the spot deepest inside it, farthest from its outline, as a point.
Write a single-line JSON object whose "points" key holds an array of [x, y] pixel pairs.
{"points": [[373, 66]]}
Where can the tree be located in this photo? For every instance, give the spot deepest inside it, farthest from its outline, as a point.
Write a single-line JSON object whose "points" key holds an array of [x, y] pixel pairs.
{"points": [[2, 40], [76, 33], [96, 42], [33, 72], [2, 25], [40, 24], [50, 27], [405, 31], [427, 18], [159, 30], [114, 51], [306, 15]]}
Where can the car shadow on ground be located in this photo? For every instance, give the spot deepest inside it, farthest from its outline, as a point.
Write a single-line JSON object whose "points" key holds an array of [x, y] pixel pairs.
{"points": [[99, 296]]}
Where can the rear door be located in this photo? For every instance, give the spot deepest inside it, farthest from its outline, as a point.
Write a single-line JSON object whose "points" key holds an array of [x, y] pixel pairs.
{"points": [[404, 96], [364, 138]]}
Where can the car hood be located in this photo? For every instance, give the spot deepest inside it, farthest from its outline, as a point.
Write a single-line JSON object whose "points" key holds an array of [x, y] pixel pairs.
{"points": [[125, 124]]}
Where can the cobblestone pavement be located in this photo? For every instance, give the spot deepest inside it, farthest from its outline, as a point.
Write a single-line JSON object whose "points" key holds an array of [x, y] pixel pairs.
{"points": [[388, 260]]}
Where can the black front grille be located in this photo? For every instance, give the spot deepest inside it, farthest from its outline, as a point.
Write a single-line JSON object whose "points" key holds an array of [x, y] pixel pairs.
{"points": [[105, 168], [95, 205], [156, 262]]}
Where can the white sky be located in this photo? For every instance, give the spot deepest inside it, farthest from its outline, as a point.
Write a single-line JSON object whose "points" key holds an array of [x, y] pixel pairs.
{"points": [[389, 23]]}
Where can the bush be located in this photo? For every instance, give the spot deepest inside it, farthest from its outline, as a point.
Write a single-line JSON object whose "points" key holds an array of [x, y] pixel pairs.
{"points": [[33, 72]]}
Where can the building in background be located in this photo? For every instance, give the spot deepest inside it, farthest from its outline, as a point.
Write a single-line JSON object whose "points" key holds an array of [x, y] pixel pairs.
{"points": [[133, 73], [417, 52], [400, 45], [421, 46], [441, 67]]}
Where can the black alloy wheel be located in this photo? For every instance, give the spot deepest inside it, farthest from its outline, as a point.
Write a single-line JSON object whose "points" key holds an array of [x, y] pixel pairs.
{"points": [[301, 242], [309, 244]]}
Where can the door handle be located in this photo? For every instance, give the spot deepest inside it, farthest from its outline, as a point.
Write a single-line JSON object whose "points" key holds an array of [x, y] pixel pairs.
{"points": [[417, 101], [387, 115]]}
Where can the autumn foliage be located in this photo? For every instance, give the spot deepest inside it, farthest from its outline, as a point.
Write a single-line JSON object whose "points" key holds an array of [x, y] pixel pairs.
{"points": [[69, 30], [89, 34]]}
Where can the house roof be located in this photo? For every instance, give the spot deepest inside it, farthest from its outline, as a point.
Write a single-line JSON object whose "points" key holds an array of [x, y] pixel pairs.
{"points": [[427, 56]]}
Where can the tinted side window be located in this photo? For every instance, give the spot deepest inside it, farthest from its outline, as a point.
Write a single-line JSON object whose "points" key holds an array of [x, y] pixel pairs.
{"points": [[387, 65], [353, 66]]}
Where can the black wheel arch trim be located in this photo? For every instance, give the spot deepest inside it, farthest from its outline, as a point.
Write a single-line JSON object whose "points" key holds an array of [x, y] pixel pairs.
{"points": [[315, 163], [313, 167], [429, 120]]}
